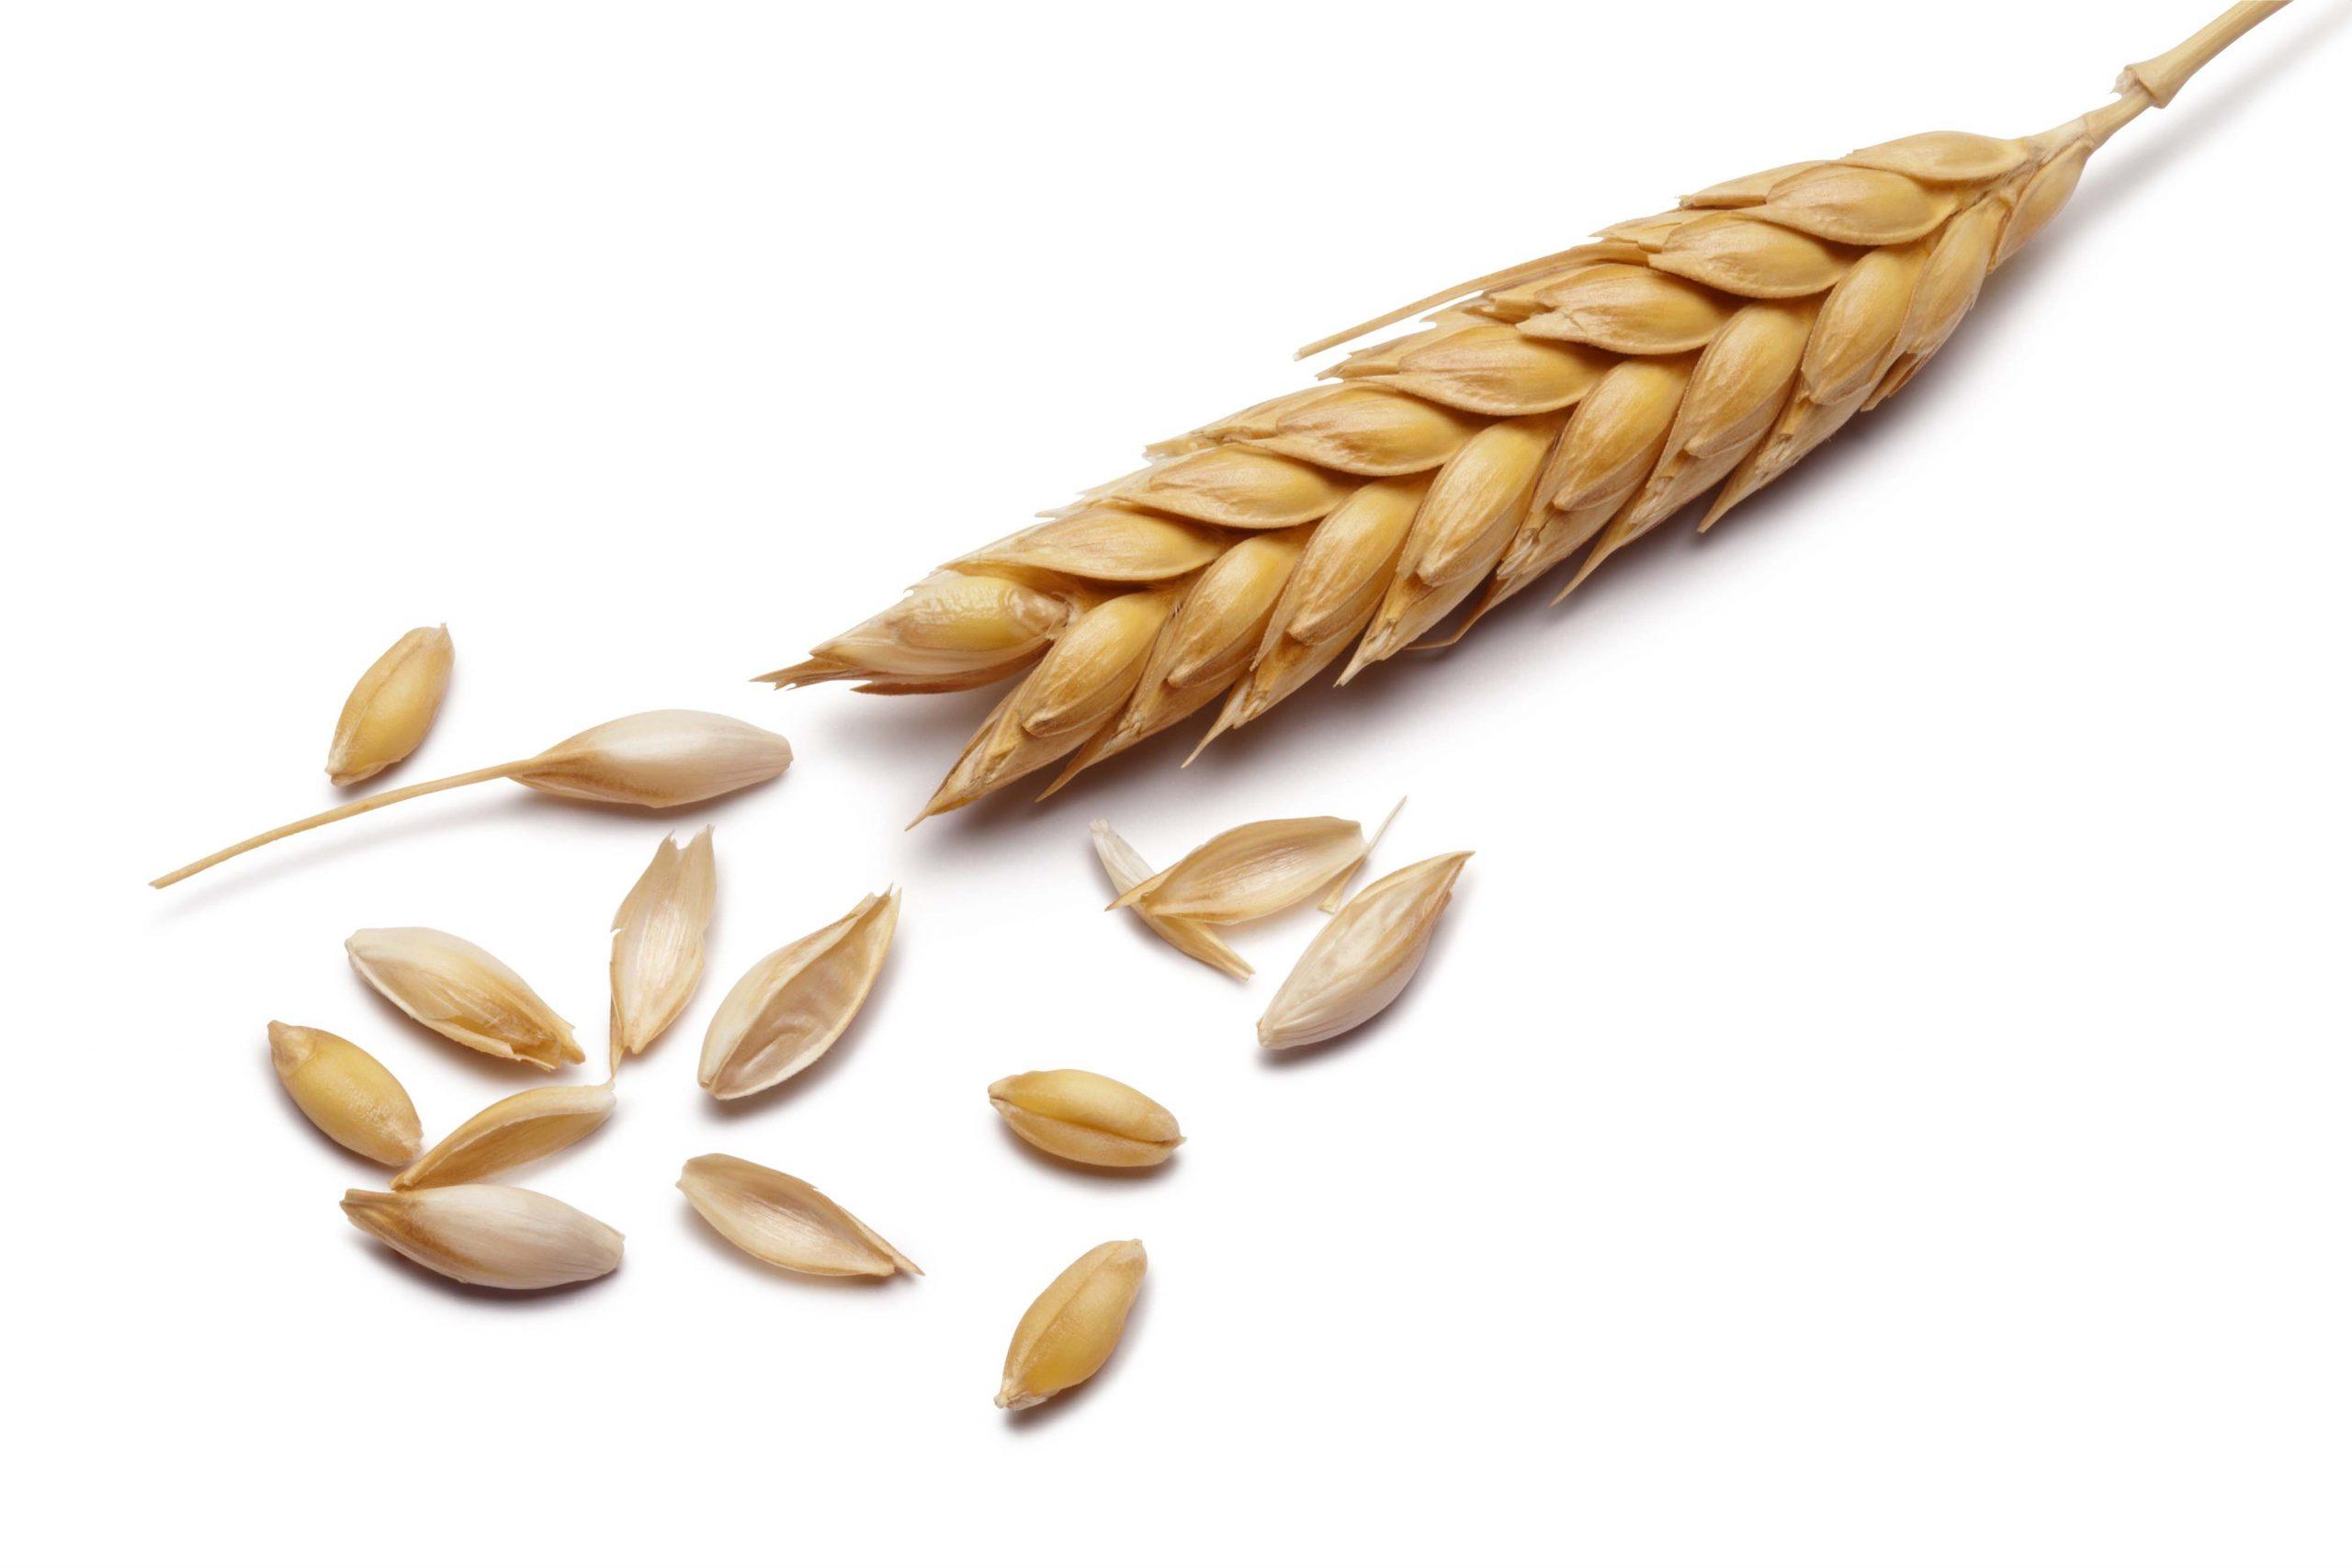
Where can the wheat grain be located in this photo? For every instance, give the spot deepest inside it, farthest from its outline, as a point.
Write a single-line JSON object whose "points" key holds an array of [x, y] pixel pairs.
{"points": [[1070, 1330], [1575, 402], [670, 757], [389, 711], [346, 1093], [505, 1237], [1086, 1117]]}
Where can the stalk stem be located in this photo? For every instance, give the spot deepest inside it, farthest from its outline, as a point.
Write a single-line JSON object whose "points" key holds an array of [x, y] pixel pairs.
{"points": [[349, 809], [2151, 82]]}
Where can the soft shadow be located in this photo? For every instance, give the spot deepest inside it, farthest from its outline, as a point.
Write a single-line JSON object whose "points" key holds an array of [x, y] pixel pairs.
{"points": [[711, 1241], [1078, 1170], [441, 1284], [1039, 1417]]}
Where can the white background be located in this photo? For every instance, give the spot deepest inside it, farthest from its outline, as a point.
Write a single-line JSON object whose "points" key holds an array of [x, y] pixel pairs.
{"points": [[1880, 1097]]}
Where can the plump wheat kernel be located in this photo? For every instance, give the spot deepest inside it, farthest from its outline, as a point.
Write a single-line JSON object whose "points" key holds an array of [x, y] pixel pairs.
{"points": [[389, 711], [1070, 1330], [346, 1093], [1086, 1117]]}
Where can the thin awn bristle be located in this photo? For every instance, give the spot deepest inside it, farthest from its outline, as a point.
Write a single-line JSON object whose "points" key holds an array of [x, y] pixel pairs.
{"points": [[1546, 416]]}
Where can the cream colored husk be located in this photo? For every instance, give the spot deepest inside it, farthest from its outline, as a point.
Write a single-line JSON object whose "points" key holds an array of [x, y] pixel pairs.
{"points": [[782, 1220], [1362, 960], [456, 989], [791, 1006], [658, 944], [505, 1237], [1125, 869], [514, 1131]]}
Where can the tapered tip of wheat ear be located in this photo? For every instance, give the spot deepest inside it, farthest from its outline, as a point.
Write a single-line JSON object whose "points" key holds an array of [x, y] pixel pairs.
{"points": [[1559, 408]]}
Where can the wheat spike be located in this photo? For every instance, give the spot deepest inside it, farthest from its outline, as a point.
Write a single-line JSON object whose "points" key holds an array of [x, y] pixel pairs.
{"points": [[1570, 404]]}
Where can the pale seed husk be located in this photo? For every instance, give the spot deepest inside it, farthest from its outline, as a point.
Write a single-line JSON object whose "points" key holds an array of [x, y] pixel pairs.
{"points": [[658, 942], [389, 711], [1070, 1330], [514, 1131], [1364, 958], [346, 1093], [1125, 869], [782, 1220], [1252, 871], [505, 1237], [461, 992], [668, 757], [1086, 1117], [791, 1006]]}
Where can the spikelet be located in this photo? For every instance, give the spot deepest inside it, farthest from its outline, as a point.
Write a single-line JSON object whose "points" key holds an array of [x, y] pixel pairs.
{"points": [[389, 711], [658, 942], [670, 757], [1571, 403]]}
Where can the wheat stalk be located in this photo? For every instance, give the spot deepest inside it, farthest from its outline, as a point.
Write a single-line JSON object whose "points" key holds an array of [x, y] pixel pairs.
{"points": [[1572, 402]]}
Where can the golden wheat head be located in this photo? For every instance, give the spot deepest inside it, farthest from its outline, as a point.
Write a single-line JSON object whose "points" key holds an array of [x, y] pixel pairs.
{"points": [[1573, 403]]}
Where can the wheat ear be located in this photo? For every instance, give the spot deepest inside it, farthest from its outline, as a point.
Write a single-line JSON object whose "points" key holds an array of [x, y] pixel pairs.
{"points": [[1570, 404]]}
